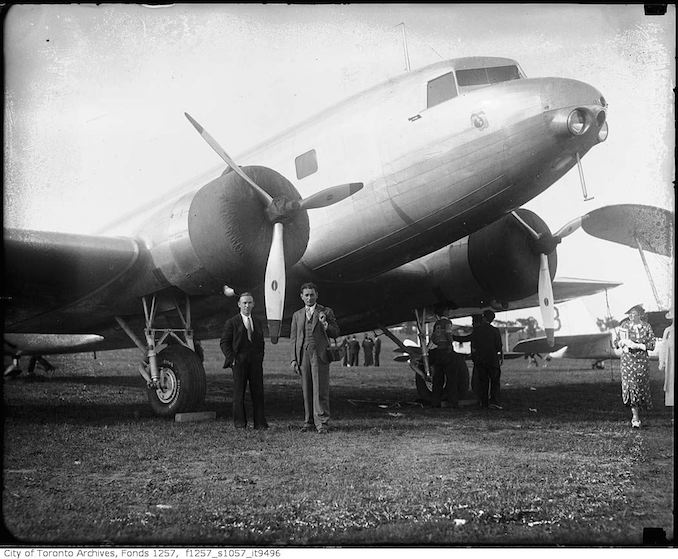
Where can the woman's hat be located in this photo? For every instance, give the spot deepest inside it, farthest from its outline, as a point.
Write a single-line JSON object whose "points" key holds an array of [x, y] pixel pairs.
{"points": [[638, 307]]}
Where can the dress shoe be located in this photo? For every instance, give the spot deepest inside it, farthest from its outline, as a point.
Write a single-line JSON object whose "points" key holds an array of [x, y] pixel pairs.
{"points": [[305, 428], [496, 406], [323, 431], [635, 423]]}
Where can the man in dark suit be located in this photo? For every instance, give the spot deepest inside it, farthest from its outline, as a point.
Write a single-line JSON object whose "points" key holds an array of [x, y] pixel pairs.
{"points": [[487, 359], [377, 349], [353, 351], [243, 346], [309, 336], [368, 348]]}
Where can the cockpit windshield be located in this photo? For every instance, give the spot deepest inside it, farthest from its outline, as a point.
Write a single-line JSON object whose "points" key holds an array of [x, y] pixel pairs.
{"points": [[474, 78]]}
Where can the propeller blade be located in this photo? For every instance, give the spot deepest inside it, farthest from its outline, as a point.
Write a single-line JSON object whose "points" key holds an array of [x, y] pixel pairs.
{"points": [[266, 198], [570, 227], [330, 196], [546, 299], [524, 224], [274, 280]]}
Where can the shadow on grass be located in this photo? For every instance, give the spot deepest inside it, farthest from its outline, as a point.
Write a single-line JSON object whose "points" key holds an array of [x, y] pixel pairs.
{"points": [[564, 402]]}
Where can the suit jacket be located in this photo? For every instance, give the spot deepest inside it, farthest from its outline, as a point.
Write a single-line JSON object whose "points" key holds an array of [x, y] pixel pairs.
{"points": [[319, 334], [234, 340], [486, 344]]}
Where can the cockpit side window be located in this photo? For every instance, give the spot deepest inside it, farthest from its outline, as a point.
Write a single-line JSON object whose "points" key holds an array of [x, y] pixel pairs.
{"points": [[479, 77], [440, 89]]}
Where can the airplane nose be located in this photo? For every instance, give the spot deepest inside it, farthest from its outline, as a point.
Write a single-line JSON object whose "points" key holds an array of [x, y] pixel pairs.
{"points": [[580, 120], [575, 108]]}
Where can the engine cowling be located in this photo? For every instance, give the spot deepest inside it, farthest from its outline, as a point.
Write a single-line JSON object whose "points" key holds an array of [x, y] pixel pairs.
{"points": [[220, 233], [495, 265]]}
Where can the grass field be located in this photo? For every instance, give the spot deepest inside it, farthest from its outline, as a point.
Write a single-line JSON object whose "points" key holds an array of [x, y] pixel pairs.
{"points": [[86, 462]]}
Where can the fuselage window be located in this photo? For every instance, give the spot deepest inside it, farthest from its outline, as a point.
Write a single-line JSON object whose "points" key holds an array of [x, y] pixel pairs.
{"points": [[306, 164], [479, 77], [440, 89]]}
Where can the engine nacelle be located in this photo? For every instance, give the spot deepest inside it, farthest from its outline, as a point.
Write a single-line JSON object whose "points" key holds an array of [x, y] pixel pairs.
{"points": [[498, 264], [220, 234]]}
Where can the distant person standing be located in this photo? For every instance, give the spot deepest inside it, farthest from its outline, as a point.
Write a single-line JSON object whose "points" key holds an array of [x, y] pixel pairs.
{"points": [[312, 326], [353, 351], [368, 349], [377, 349], [242, 344], [488, 356], [344, 346], [635, 338], [667, 361]]}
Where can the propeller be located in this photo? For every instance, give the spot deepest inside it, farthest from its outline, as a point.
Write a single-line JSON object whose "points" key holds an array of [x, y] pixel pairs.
{"points": [[545, 245], [278, 210]]}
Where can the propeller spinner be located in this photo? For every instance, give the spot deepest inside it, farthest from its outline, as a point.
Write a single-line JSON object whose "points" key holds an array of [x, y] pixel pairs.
{"points": [[278, 210]]}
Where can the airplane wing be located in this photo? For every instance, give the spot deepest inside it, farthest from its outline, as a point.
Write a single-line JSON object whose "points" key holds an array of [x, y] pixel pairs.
{"points": [[47, 277], [564, 289], [579, 346], [633, 224]]}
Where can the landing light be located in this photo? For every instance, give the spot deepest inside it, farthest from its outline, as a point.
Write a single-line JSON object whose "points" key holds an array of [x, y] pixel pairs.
{"points": [[603, 132], [576, 122]]}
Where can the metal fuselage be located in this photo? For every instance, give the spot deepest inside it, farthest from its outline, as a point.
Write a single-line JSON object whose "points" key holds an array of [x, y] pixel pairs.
{"points": [[432, 176], [428, 180]]}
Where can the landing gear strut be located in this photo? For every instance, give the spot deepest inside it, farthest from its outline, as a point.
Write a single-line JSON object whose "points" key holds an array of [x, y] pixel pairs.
{"points": [[419, 358], [174, 374]]}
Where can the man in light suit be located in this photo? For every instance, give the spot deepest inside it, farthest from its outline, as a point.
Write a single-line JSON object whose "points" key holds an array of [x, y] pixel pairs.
{"points": [[243, 346], [311, 327]]}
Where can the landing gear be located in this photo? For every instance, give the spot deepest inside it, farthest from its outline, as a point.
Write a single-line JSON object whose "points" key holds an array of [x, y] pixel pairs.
{"points": [[181, 385], [418, 358], [173, 371]]}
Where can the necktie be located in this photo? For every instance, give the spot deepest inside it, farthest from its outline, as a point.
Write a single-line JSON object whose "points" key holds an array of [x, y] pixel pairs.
{"points": [[249, 328], [309, 314]]}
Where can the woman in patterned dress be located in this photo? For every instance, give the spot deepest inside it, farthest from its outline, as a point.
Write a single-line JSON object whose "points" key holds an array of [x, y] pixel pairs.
{"points": [[635, 338]]}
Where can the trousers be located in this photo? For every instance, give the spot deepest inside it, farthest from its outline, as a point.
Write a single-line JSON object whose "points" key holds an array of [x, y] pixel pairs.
{"points": [[487, 379], [315, 386], [248, 371]]}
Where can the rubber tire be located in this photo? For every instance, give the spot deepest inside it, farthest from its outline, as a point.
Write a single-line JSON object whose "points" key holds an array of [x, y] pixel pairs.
{"points": [[188, 377], [425, 392], [423, 388]]}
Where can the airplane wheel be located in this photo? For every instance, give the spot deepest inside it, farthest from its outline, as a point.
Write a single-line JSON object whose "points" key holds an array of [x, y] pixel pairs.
{"points": [[182, 382], [425, 388]]}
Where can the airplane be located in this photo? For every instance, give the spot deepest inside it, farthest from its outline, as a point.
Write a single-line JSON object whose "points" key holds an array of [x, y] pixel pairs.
{"points": [[430, 170], [645, 228]]}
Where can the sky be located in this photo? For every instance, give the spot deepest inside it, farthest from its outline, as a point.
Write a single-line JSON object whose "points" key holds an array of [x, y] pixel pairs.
{"points": [[95, 96]]}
